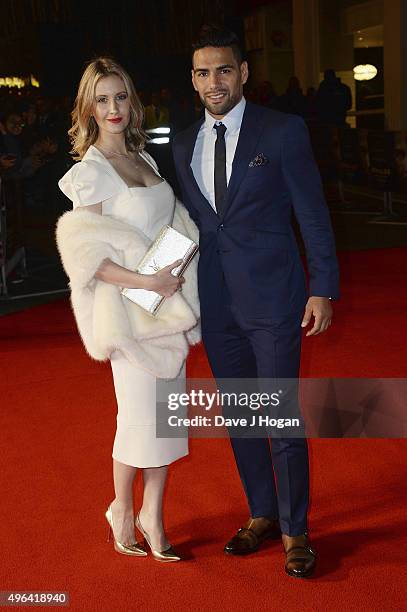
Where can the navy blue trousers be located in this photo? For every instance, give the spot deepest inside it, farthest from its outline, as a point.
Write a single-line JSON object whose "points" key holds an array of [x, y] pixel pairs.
{"points": [[274, 474]]}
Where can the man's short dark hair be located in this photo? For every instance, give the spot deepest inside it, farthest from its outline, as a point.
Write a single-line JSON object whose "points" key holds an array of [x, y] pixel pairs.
{"points": [[215, 36]]}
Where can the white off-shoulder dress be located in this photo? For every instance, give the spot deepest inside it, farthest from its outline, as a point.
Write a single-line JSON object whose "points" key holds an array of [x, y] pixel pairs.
{"points": [[91, 181]]}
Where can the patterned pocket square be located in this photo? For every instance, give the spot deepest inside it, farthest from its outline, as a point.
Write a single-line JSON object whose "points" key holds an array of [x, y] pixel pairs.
{"points": [[259, 160]]}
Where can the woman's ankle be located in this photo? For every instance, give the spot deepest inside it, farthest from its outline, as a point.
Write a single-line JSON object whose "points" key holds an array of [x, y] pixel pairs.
{"points": [[120, 505], [154, 528]]}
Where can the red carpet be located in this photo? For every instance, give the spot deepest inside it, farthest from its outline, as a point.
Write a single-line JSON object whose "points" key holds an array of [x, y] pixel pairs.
{"points": [[57, 429]]}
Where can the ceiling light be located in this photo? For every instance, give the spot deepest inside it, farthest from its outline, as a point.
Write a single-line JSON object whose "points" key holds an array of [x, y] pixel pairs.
{"points": [[364, 72]]}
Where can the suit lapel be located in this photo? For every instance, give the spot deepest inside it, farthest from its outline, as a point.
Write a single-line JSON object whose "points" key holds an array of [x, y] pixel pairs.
{"points": [[189, 150], [250, 132]]}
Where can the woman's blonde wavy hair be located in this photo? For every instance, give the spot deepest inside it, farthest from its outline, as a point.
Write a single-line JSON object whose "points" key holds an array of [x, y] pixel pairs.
{"points": [[84, 130]]}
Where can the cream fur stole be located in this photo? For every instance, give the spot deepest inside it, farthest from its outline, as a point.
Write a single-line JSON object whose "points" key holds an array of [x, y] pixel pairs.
{"points": [[108, 321]]}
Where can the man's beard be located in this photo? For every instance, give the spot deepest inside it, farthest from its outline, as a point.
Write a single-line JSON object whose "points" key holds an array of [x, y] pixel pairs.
{"points": [[220, 109]]}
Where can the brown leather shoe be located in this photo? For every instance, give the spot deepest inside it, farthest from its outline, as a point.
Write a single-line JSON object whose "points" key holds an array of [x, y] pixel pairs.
{"points": [[300, 558], [252, 534]]}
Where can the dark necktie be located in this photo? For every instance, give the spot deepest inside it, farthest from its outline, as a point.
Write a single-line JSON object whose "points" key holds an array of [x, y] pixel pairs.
{"points": [[220, 169]]}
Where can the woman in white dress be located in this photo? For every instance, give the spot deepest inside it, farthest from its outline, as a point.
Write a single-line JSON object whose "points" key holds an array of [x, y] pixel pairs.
{"points": [[107, 137]]}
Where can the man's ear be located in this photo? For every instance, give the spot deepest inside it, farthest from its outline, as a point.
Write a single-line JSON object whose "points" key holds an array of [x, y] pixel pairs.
{"points": [[193, 80], [244, 71]]}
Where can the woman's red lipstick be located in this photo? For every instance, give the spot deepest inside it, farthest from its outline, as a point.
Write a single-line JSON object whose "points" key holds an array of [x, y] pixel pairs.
{"points": [[115, 120]]}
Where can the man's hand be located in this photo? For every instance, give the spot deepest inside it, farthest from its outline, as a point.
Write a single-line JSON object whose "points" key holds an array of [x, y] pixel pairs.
{"points": [[321, 309]]}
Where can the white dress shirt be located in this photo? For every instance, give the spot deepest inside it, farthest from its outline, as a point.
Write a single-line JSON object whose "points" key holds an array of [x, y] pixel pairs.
{"points": [[203, 157]]}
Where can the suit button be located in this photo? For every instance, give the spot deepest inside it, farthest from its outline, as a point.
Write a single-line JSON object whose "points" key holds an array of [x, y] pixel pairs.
{"points": [[220, 227]]}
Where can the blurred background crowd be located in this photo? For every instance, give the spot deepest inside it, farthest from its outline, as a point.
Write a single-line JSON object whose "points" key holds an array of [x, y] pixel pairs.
{"points": [[33, 145]]}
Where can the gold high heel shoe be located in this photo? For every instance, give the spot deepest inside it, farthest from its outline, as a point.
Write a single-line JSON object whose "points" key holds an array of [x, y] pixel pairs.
{"points": [[134, 550], [166, 555]]}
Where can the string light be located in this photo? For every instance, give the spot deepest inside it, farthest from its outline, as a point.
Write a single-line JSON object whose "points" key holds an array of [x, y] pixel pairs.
{"points": [[19, 82]]}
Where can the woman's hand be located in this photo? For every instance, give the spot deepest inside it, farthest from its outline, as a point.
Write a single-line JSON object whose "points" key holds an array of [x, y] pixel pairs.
{"points": [[163, 282]]}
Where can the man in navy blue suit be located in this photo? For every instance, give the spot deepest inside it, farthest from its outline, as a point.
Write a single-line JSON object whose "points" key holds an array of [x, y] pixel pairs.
{"points": [[243, 169]]}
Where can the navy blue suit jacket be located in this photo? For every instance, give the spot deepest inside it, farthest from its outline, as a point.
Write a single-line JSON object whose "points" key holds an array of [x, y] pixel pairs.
{"points": [[252, 247]]}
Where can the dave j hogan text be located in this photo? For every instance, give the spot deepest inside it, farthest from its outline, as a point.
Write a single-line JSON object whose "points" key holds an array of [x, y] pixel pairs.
{"points": [[257, 420]]}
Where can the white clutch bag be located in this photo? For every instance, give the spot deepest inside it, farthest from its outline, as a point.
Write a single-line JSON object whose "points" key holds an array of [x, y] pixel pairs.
{"points": [[169, 246]]}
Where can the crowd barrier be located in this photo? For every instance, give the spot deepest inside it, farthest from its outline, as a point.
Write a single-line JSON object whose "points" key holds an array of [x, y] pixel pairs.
{"points": [[12, 251]]}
